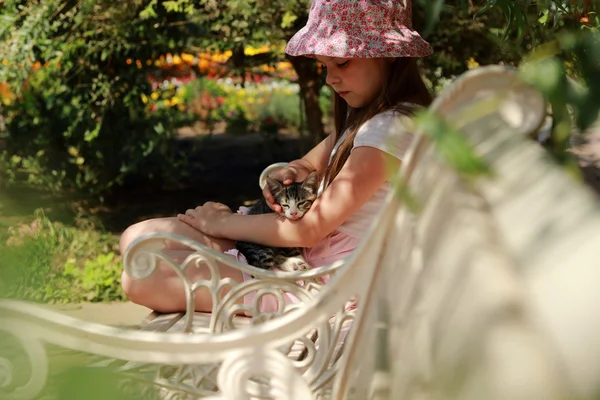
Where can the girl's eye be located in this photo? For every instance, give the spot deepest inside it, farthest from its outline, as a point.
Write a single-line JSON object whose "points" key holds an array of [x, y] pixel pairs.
{"points": [[338, 65]]}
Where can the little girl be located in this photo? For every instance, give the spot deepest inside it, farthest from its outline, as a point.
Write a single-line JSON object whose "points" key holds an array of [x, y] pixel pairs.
{"points": [[369, 50]]}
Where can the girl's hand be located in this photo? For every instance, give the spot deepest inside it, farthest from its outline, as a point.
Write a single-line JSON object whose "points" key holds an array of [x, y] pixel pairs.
{"points": [[206, 218], [288, 175]]}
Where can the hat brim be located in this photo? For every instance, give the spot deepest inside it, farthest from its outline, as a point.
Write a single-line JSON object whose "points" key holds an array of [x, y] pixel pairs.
{"points": [[400, 42]]}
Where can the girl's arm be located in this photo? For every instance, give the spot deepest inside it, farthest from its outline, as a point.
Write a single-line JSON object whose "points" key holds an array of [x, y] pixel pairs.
{"points": [[364, 172], [318, 158]]}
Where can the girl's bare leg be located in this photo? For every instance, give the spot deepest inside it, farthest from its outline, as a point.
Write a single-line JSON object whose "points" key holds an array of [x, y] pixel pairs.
{"points": [[163, 291]]}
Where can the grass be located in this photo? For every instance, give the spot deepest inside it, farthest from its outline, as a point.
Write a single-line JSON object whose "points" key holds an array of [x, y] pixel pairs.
{"points": [[50, 262]]}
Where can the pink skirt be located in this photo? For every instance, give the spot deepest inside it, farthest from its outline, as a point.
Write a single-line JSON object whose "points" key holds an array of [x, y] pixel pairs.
{"points": [[332, 248]]}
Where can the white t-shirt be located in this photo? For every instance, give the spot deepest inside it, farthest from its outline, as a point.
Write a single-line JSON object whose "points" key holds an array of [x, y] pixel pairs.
{"points": [[389, 132]]}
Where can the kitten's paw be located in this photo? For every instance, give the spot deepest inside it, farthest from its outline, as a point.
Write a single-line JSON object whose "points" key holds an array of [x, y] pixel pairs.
{"points": [[293, 264]]}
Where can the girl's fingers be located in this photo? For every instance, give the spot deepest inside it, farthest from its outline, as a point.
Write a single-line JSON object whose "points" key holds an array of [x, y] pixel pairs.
{"points": [[268, 196], [275, 207], [289, 176], [270, 200]]}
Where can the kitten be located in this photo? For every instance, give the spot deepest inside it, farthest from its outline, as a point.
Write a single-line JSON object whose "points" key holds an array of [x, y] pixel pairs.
{"points": [[295, 200]]}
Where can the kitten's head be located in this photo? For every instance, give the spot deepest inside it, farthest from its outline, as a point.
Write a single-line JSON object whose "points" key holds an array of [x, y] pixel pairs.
{"points": [[295, 199]]}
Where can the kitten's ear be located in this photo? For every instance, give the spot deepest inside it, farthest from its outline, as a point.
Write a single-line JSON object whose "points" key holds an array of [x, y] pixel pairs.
{"points": [[274, 185], [311, 183]]}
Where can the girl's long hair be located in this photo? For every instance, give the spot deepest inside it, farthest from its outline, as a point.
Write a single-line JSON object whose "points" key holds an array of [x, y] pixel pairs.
{"points": [[404, 85]]}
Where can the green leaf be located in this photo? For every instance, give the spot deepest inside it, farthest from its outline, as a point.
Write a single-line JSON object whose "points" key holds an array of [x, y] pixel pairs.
{"points": [[288, 19], [433, 9], [489, 4], [93, 134], [452, 145], [149, 11], [544, 17]]}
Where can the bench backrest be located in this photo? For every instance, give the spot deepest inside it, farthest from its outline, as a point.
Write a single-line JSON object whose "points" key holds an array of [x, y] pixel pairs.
{"points": [[490, 291]]}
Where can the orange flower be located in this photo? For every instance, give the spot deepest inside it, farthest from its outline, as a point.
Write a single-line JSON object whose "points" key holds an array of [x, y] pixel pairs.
{"points": [[6, 96], [187, 58]]}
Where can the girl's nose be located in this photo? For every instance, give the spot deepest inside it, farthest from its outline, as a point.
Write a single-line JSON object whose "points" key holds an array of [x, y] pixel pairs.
{"points": [[332, 79]]}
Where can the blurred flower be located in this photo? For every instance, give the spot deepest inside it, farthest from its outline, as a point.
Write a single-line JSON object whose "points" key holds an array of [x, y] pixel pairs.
{"points": [[472, 64]]}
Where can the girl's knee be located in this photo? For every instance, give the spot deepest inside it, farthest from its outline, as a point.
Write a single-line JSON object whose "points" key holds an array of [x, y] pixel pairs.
{"points": [[126, 238], [142, 292], [135, 290], [135, 231], [131, 288]]}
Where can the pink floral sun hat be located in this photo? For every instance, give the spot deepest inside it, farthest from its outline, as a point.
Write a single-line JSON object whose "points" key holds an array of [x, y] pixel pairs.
{"points": [[359, 29]]}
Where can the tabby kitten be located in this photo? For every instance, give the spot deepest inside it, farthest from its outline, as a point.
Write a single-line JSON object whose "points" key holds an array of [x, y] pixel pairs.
{"points": [[295, 200]]}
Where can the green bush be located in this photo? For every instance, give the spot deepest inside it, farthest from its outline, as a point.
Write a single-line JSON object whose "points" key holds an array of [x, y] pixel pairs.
{"points": [[326, 103], [204, 98], [283, 107], [79, 73], [262, 107], [26, 270], [98, 278], [45, 261]]}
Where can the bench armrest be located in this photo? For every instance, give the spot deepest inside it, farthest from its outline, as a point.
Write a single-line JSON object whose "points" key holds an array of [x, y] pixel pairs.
{"points": [[144, 254]]}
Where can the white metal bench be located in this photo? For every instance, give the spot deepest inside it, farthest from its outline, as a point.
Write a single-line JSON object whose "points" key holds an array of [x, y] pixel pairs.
{"points": [[488, 292]]}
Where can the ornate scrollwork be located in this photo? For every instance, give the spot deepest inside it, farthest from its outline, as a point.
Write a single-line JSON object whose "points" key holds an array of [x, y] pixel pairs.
{"points": [[316, 350], [261, 372], [143, 257], [229, 297], [23, 363]]}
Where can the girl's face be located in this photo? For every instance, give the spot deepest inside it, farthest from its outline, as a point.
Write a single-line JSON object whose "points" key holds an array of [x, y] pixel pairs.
{"points": [[357, 80]]}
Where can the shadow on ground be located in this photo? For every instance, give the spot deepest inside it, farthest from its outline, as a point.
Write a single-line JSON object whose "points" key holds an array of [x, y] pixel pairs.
{"points": [[226, 170]]}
